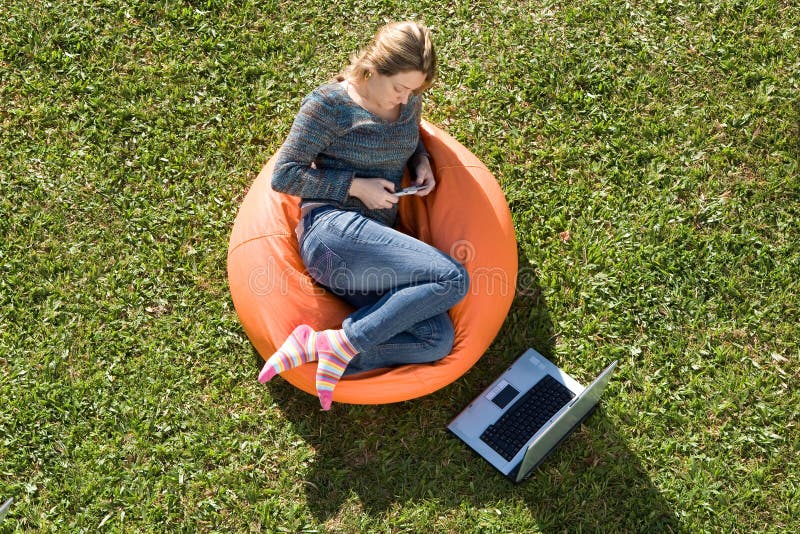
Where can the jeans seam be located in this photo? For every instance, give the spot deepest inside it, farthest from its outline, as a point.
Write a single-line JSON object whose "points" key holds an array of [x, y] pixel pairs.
{"points": [[455, 266], [395, 245], [394, 346], [435, 255]]}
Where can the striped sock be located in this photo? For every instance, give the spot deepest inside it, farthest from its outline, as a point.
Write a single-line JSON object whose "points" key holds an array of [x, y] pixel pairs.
{"points": [[334, 351], [294, 351]]}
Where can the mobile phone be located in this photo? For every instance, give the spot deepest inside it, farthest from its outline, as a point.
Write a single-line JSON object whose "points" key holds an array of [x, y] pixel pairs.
{"points": [[410, 190]]}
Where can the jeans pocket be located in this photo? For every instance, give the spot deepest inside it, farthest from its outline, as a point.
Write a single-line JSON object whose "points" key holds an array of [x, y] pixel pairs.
{"points": [[322, 263]]}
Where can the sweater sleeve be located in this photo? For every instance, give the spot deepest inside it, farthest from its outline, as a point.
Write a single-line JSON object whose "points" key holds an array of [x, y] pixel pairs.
{"points": [[313, 130], [420, 150]]}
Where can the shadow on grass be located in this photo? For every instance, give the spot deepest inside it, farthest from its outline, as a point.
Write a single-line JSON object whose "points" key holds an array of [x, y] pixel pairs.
{"points": [[379, 459]]}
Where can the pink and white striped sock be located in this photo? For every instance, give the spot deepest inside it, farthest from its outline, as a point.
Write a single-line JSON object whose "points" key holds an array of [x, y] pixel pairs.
{"points": [[334, 352], [294, 351]]}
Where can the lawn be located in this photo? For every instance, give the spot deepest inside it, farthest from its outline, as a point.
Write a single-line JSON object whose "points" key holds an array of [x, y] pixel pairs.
{"points": [[649, 153]]}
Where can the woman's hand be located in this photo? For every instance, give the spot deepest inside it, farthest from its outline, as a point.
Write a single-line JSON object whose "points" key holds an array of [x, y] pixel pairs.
{"points": [[424, 176], [375, 193]]}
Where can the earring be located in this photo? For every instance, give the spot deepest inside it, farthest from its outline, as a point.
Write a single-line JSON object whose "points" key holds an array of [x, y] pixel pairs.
{"points": [[368, 75]]}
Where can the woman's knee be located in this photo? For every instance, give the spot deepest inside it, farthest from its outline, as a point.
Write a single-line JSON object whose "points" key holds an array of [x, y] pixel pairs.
{"points": [[463, 281], [458, 282], [439, 343]]}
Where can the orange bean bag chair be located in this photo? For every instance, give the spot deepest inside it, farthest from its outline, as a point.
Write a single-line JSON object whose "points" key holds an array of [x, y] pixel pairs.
{"points": [[466, 216]]}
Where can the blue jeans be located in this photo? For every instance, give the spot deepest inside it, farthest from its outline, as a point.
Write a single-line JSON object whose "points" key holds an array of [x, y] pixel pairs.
{"points": [[401, 287]]}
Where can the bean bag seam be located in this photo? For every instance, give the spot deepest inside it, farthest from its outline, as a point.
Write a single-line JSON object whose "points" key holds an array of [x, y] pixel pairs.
{"points": [[256, 238]]}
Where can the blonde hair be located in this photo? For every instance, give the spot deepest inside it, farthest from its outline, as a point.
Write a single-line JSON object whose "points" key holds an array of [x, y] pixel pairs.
{"points": [[397, 47]]}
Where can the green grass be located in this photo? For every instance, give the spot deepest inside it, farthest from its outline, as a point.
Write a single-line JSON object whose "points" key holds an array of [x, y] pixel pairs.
{"points": [[662, 136]]}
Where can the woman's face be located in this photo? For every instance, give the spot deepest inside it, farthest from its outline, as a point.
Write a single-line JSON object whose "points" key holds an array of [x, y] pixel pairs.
{"points": [[391, 91]]}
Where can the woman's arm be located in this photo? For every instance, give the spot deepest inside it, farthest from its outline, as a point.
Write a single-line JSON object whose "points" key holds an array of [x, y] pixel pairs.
{"points": [[420, 162], [313, 130], [420, 152]]}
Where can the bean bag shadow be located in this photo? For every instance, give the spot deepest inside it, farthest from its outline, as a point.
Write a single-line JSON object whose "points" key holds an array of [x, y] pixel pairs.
{"points": [[466, 216]]}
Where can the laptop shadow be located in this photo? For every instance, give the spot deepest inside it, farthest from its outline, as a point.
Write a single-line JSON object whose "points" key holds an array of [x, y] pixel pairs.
{"points": [[376, 459]]}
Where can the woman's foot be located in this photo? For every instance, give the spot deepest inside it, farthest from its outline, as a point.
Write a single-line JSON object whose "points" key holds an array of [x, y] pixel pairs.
{"points": [[294, 352], [334, 352]]}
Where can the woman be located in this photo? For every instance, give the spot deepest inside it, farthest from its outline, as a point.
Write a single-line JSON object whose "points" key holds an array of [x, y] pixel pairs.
{"points": [[345, 156]]}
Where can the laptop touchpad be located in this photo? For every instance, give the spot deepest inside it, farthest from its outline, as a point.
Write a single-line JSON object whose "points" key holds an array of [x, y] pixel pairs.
{"points": [[505, 396]]}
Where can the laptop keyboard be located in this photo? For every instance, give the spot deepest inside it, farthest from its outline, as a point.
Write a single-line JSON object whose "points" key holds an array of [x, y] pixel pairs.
{"points": [[526, 417]]}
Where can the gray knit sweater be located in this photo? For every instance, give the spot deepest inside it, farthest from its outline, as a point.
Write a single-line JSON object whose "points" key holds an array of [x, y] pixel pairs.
{"points": [[333, 140]]}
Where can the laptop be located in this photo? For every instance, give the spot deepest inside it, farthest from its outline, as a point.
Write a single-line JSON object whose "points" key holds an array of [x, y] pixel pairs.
{"points": [[526, 413]]}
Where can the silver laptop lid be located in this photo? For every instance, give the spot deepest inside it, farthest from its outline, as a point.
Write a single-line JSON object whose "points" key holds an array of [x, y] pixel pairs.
{"points": [[577, 410], [5, 507]]}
